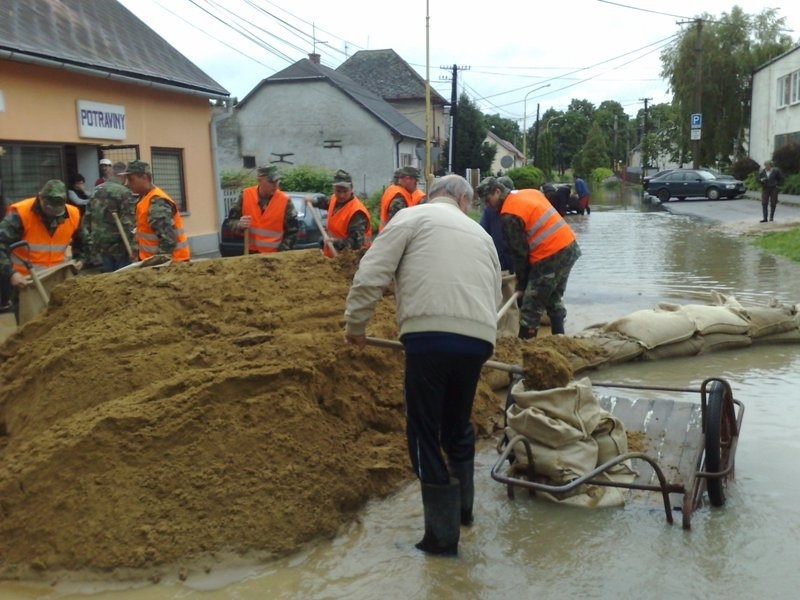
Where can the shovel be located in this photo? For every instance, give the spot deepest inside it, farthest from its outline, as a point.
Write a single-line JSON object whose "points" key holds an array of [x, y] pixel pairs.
{"points": [[492, 364], [29, 265], [511, 301], [326, 238], [122, 234]]}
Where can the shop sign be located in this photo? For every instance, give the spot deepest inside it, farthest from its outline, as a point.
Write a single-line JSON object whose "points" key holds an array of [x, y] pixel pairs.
{"points": [[99, 120]]}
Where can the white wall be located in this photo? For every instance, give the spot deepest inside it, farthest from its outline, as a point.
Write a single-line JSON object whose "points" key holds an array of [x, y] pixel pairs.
{"points": [[766, 119], [298, 118]]}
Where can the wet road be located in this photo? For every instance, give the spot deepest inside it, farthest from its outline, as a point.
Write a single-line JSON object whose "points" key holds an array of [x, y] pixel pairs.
{"points": [[634, 256]]}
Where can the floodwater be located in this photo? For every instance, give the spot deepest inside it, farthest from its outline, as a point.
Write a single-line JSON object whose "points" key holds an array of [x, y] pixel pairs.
{"points": [[634, 256]]}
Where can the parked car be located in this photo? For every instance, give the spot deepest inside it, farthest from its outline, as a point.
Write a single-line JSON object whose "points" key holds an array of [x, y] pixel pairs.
{"points": [[231, 241], [647, 178], [560, 196], [687, 183]]}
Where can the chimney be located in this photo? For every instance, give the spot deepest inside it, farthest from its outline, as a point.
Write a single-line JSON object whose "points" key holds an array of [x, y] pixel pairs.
{"points": [[314, 58]]}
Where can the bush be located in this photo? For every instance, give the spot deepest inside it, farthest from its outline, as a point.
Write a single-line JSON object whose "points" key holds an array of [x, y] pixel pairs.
{"points": [[791, 184], [787, 159], [305, 178], [744, 167], [600, 174], [237, 179], [526, 177]]}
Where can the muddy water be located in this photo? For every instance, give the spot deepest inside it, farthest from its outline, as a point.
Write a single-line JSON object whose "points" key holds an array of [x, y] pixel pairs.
{"points": [[633, 258]]}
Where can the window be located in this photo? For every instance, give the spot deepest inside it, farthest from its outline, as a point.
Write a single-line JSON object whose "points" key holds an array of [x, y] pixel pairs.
{"points": [[24, 168], [406, 160], [249, 162], [784, 91], [795, 96], [168, 174]]}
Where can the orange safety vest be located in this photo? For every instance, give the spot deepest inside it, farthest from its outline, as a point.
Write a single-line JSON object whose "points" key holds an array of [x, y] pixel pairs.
{"points": [[266, 227], [339, 221], [46, 250], [388, 195], [416, 197], [547, 232], [146, 238]]}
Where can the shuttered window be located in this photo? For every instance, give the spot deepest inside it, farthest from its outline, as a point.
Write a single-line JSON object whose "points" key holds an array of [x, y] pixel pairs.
{"points": [[168, 174]]}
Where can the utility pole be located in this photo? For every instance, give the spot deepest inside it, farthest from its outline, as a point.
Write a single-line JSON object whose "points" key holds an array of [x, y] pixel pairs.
{"points": [[614, 152], [453, 111], [645, 149], [698, 89], [535, 136]]}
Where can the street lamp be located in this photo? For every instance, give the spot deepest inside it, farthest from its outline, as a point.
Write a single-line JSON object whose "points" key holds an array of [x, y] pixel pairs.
{"points": [[525, 121]]}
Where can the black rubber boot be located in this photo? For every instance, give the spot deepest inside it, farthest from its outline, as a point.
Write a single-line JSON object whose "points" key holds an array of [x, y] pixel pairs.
{"points": [[556, 325], [465, 473], [441, 504], [771, 212], [527, 333], [764, 211]]}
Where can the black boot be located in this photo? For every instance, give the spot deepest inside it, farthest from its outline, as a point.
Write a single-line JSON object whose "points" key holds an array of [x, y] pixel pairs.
{"points": [[771, 213], [527, 333], [441, 504], [465, 473], [764, 212], [556, 325]]}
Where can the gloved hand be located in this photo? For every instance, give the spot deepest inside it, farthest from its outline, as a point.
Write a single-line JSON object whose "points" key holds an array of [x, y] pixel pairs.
{"points": [[244, 222]]}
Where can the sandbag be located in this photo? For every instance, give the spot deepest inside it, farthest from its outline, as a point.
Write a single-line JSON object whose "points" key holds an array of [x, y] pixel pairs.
{"points": [[574, 404], [557, 465], [614, 347], [771, 320], [653, 327], [715, 319], [536, 425], [689, 347], [508, 325], [716, 342]]}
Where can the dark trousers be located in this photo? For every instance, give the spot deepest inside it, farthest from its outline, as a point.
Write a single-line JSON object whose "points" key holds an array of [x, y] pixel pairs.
{"points": [[112, 263], [439, 389], [547, 282], [769, 197]]}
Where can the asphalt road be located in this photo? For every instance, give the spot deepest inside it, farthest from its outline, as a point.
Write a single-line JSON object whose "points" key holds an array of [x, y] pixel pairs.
{"points": [[747, 208]]}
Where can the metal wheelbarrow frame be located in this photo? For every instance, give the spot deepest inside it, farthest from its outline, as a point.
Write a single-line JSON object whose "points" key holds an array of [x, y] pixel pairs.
{"points": [[714, 443]]}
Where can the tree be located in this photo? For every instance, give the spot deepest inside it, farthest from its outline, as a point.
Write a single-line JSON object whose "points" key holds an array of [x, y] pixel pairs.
{"points": [[613, 122], [471, 152], [733, 46], [594, 152], [505, 129]]}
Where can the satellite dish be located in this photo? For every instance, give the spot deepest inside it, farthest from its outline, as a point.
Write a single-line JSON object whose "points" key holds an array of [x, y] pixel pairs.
{"points": [[506, 162]]}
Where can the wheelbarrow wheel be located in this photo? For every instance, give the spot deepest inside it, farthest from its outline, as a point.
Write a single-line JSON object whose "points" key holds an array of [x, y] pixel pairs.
{"points": [[718, 436]]}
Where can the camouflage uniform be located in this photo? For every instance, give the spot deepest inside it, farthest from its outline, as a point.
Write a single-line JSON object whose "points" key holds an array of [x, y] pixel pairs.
{"points": [[160, 218], [101, 229], [543, 282], [291, 224]]}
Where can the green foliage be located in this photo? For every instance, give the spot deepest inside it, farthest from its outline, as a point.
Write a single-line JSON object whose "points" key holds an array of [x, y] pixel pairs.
{"points": [[505, 129], [237, 178], [470, 151], [743, 167], [751, 181], [733, 46], [373, 205], [791, 184], [526, 177], [787, 159], [784, 243], [305, 178], [600, 174], [594, 153]]}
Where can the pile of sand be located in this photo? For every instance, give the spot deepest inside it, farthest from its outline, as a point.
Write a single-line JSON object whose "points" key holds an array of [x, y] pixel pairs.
{"points": [[155, 419]]}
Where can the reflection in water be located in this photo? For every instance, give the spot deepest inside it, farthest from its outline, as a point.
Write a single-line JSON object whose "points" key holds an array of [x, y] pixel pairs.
{"points": [[633, 258]]}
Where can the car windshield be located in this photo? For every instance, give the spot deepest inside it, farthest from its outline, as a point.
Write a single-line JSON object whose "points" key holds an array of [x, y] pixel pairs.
{"points": [[706, 175]]}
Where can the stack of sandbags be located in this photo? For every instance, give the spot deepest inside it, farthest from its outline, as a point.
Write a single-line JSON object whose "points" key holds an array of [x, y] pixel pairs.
{"points": [[569, 435], [775, 323]]}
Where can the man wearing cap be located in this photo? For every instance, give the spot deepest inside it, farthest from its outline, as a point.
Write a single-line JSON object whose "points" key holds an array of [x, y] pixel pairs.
{"points": [[267, 212], [105, 171], [543, 250], [159, 228], [349, 221], [48, 224], [100, 227], [401, 194]]}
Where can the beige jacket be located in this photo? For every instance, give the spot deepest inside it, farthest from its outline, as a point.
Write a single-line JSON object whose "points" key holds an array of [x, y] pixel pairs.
{"points": [[446, 272]]}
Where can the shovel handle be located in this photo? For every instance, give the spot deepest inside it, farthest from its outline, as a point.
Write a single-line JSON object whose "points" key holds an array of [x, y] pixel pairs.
{"points": [[122, 234], [246, 242], [511, 301], [326, 238], [492, 364]]}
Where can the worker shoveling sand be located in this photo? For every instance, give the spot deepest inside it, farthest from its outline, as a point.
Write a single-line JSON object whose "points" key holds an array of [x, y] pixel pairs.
{"points": [[155, 420]]}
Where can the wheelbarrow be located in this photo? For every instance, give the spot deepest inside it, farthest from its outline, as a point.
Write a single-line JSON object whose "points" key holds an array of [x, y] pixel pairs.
{"points": [[694, 441]]}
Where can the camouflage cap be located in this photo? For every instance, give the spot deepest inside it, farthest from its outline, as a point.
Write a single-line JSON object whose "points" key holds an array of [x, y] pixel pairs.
{"points": [[270, 173], [487, 185], [137, 167], [119, 167], [507, 182], [342, 179], [407, 171], [54, 196]]}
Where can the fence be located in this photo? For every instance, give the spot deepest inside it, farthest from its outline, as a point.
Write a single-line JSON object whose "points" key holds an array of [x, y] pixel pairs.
{"points": [[229, 197]]}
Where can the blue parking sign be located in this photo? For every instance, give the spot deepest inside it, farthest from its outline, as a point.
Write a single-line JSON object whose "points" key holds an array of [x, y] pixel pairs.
{"points": [[697, 121]]}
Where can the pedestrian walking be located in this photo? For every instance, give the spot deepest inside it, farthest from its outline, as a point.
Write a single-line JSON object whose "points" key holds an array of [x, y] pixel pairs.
{"points": [[771, 180]]}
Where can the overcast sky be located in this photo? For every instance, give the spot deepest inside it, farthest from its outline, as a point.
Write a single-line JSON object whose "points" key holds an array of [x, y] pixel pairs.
{"points": [[588, 49]]}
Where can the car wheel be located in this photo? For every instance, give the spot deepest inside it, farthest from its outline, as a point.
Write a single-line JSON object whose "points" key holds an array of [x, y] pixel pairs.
{"points": [[663, 195], [712, 194]]}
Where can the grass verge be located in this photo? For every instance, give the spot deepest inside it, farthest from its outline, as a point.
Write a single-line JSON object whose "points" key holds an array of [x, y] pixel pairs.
{"points": [[784, 243]]}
